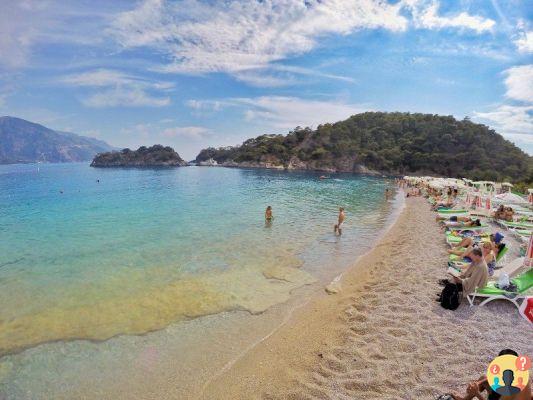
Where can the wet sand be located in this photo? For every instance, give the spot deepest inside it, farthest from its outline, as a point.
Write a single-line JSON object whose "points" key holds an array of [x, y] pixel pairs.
{"points": [[383, 336]]}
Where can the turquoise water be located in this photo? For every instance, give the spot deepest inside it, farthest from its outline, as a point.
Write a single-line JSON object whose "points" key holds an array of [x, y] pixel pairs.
{"points": [[93, 253]]}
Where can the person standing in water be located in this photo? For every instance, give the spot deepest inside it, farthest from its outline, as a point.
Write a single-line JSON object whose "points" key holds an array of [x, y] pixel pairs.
{"points": [[268, 214], [387, 194], [342, 217]]}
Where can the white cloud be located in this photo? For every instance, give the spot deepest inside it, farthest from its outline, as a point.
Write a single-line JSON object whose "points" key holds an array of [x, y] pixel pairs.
{"points": [[519, 82], [514, 121], [245, 38], [524, 42], [508, 119], [239, 35], [119, 89], [286, 112], [189, 132], [426, 15], [524, 37], [127, 97], [24, 24]]}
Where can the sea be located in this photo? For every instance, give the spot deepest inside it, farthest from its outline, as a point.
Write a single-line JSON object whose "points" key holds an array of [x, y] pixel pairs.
{"points": [[88, 255]]}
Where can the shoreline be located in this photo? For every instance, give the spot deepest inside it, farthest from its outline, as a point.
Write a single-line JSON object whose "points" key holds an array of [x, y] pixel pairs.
{"points": [[144, 366], [397, 209], [382, 333]]}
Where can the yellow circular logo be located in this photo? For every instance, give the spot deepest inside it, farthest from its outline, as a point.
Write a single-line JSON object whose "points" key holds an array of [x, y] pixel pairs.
{"points": [[508, 375]]}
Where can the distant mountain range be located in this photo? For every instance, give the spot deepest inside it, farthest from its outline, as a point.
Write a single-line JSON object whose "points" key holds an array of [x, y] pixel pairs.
{"points": [[22, 141]]}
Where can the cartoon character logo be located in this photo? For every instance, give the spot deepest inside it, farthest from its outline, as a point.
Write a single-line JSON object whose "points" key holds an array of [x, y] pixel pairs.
{"points": [[509, 374]]}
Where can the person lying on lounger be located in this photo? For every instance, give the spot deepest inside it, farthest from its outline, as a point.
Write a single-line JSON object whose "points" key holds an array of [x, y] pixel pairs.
{"points": [[454, 218], [469, 222]]}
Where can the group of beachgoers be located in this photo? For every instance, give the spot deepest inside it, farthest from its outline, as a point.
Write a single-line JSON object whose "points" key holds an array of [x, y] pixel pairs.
{"points": [[337, 228], [473, 259]]}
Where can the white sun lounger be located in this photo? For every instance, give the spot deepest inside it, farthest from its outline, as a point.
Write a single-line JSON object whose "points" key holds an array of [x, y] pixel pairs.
{"points": [[510, 269]]}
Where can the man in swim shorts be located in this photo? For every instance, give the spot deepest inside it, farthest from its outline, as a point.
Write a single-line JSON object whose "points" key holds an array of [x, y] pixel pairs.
{"points": [[338, 226]]}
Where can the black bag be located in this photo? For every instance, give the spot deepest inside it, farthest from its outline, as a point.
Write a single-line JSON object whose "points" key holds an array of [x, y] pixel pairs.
{"points": [[450, 297]]}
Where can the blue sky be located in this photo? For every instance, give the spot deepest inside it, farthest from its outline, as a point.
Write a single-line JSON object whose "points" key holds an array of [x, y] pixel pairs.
{"points": [[196, 73]]}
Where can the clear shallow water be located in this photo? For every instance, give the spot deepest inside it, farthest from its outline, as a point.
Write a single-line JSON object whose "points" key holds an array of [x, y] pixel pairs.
{"points": [[140, 249]]}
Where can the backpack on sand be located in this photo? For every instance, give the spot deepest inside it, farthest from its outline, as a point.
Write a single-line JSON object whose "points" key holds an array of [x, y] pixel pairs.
{"points": [[450, 297]]}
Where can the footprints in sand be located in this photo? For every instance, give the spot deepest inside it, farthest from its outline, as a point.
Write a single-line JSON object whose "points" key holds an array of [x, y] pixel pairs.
{"points": [[395, 341]]}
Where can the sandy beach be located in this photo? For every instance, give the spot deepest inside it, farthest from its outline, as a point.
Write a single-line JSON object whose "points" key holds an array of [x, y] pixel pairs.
{"points": [[383, 336]]}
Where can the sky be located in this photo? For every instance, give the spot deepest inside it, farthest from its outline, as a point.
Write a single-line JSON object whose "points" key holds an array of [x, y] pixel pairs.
{"points": [[193, 74]]}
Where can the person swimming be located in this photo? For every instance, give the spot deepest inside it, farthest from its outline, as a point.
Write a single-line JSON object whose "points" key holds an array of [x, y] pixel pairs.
{"points": [[342, 217], [268, 214]]}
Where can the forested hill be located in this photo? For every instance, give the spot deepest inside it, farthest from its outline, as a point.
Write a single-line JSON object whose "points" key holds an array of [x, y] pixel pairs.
{"points": [[393, 143]]}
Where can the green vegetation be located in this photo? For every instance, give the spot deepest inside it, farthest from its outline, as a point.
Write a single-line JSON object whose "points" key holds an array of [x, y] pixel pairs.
{"points": [[393, 143], [155, 156]]}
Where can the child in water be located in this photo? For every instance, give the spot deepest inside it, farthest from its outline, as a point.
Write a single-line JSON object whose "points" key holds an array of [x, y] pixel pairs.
{"points": [[268, 214]]}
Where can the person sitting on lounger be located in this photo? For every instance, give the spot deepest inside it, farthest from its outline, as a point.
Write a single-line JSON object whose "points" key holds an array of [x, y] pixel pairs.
{"points": [[509, 214], [476, 274], [500, 212], [496, 240], [449, 203]]}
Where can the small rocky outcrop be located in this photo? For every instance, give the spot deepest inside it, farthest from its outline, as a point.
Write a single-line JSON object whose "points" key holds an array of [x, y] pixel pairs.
{"points": [[155, 156]]}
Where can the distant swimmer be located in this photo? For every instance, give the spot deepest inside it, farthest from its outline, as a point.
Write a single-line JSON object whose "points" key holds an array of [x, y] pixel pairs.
{"points": [[323, 177], [342, 217], [268, 214]]}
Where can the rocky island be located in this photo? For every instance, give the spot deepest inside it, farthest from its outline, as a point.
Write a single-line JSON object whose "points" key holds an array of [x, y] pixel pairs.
{"points": [[155, 156]]}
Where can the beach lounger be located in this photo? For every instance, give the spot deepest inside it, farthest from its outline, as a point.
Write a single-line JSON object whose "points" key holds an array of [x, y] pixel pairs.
{"points": [[517, 225], [451, 211], [466, 228], [454, 239], [523, 282], [510, 268]]}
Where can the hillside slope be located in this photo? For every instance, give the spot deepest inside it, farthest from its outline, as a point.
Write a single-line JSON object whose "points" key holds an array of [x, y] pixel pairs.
{"points": [[392, 143], [155, 156], [22, 141]]}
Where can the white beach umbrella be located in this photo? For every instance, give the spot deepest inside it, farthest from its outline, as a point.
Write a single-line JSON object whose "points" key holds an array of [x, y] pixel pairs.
{"points": [[510, 198], [529, 255]]}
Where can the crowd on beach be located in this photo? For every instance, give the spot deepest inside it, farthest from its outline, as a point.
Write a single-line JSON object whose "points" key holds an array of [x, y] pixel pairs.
{"points": [[479, 267]]}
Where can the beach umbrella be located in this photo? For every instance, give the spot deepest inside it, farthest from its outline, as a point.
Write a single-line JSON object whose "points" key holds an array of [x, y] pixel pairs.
{"points": [[478, 202], [528, 261], [510, 198], [526, 309]]}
